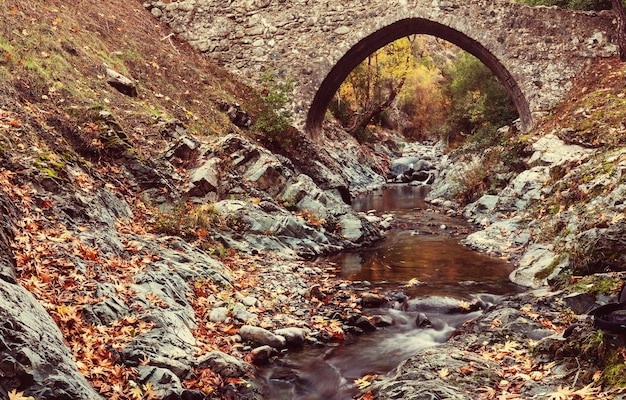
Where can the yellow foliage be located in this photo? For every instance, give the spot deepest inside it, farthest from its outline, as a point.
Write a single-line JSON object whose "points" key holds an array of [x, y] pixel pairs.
{"points": [[15, 395], [401, 66]]}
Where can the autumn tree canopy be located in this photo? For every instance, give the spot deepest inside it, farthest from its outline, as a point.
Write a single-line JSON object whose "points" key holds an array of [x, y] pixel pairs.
{"points": [[437, 88]]}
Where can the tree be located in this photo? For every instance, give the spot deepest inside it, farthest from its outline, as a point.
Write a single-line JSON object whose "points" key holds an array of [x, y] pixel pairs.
{"points": [[478, 103], [373, 85], [618, 8], [424, 101]]}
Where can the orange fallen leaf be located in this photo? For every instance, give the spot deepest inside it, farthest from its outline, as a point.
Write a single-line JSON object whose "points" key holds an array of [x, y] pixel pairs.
{"points": [[15, 395]]}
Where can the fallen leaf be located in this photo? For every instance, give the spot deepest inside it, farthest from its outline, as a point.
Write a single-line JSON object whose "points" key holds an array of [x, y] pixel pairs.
{"points": [[15, 395], [136, 393], [364, 382]]}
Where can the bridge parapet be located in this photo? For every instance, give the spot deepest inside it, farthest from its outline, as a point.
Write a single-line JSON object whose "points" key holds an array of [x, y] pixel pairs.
{"points": [[535, 51]]}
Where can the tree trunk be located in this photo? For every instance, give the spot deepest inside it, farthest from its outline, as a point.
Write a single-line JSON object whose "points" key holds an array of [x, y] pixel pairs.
{"points": [[618, 8], [374, 111]]}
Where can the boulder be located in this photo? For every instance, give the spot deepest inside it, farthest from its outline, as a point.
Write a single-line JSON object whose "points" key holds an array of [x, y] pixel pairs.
{"points": [[261, 355], [365, 324], [550, 150], [237, 116], [163, 349], [185, 149], [499, 237], [538, 264], [420, 376], [240, 313], [268, 175], [34, 355], [422, 321], [352, 227], [206, 178], [218, 314], [401, 165], [580, 303], [382, 321], [262, 336], [481, 209], [121, 83], [223, 364], [109, 309], [164, 382], [294, 336], [604, 247], [372, 300], [274, 229]]}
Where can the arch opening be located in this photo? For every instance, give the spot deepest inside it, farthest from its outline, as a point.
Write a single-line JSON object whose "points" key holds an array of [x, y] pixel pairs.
{"points": [[353, 57]]}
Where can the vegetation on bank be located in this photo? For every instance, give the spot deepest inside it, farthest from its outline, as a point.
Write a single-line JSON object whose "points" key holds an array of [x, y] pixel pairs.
{"points": [[54, 59], [465, 106], [428, 89]]}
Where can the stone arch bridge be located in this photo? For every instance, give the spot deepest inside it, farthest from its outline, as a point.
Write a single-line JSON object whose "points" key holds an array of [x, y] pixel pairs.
{"points": [[536, 52]]}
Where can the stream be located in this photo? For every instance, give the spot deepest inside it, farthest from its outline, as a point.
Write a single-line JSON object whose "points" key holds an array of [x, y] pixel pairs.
{"points": [[422, 258]]}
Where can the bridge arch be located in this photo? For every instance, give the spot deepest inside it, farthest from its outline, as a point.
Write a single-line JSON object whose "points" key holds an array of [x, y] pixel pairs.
{"points": [[536, 52], [368, 45]]}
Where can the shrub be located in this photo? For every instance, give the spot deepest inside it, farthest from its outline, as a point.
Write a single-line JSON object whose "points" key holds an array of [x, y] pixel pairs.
{"points": [[188, 221], [273, 118]]}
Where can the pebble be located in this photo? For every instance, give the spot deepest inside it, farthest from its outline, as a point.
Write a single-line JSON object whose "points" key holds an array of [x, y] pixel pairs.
{"points": [[249, 301], [240, 313], [261, 355], [382, 320], [219, 314], [294, 336]]}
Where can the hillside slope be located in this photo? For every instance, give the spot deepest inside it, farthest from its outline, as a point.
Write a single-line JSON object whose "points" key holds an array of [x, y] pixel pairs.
{"points": [[104, 116]]}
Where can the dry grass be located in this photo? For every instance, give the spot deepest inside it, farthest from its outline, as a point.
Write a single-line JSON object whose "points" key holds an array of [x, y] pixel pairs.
{"points": [[594, 115], [53, 56]]}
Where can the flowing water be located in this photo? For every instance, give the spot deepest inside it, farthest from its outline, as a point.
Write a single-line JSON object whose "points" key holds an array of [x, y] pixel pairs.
{"points": [[421, 257]]}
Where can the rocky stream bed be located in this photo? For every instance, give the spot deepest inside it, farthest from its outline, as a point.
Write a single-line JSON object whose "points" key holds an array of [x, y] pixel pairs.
{"points": [[174, 320]]}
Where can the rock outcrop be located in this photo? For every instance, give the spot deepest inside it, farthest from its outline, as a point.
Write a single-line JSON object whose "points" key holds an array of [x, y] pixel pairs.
{"points": [[514, 220], [269, 205], [34, 355]]}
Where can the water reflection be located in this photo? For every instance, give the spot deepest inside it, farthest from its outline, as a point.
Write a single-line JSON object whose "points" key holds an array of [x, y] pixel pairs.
{"points": [[421, 260], [422, 248], [392, 198], [435, 265]]}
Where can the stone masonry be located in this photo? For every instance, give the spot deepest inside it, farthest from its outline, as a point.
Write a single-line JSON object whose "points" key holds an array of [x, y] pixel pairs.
{"points": [[535, 51]]}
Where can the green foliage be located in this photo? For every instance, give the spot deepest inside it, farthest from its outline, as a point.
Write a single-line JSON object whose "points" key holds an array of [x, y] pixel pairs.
{"points": [[456, 99], [471, 184], [424, 101], [500, 154], [479, 105], [594, 284], [341, 110], [187, 221], [289, 203], [51, 165], [273, 119], [549, 269]]}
